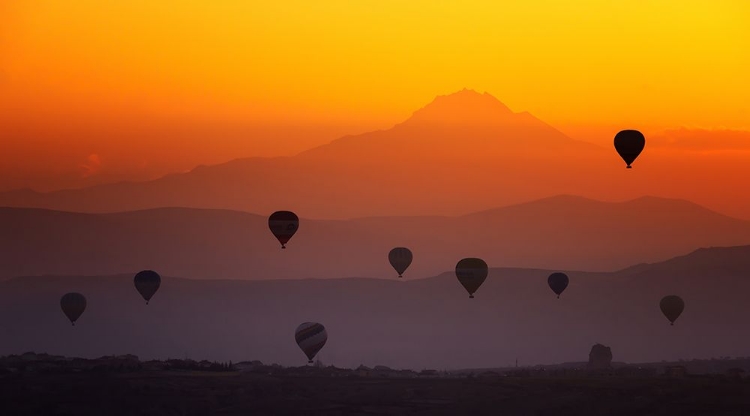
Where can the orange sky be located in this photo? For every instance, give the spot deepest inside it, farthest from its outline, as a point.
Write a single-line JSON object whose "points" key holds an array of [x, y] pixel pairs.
{"points": [[143, 88]]}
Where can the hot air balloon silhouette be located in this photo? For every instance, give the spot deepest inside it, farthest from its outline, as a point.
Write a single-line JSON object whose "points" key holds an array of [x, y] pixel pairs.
{"points": [[471, 272], [557, 282], [400, 258], [283, 225], [147, 283], [629, 144], [73, 304], [672, 306], [311, 337]]}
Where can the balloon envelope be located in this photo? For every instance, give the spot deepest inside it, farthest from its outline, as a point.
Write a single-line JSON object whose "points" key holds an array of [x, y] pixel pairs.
{"points": [[147, 283], [283, 225], [672, 306], [400, 258], [311, 337], [558, 282], [471, 272], [73, 305], [629, 144]]}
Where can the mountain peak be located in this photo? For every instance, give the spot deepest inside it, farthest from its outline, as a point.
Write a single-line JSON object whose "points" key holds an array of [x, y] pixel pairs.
{"points": [[462, 106]]}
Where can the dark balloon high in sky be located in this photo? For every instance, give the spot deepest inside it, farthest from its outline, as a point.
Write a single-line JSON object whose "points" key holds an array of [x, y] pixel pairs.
{"points": [[629, 144]]}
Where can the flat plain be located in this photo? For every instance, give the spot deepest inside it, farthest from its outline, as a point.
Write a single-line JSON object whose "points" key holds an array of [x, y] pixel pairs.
{"points": [[236, 393]]}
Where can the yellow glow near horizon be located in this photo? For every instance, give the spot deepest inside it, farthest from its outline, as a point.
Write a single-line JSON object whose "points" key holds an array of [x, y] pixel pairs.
{"points": [[646, 63]]}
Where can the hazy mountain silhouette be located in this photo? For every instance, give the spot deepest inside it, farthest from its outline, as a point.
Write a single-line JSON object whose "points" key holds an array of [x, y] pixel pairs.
{"points": [[462, 125], [462, 152], [412, 324], [564, 232]]}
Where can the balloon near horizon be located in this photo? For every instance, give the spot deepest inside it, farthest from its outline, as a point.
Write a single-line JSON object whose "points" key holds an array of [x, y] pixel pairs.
{"points": [[310, 337]]}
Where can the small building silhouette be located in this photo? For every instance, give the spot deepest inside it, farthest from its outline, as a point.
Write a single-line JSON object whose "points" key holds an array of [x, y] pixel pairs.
{"points": [[600, 357], [363, 371], [675, 371]]}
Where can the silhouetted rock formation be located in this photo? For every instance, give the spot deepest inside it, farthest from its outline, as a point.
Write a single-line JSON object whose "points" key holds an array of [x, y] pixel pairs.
{"points": [[600, 357]]}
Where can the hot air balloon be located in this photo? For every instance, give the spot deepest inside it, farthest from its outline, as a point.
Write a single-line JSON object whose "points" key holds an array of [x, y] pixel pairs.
{"points": [[73, 305], [557, 282], [147, 283], [471, 272], [672, 306], [311, 337], [400, 258], [629, 144], [283, 225]]}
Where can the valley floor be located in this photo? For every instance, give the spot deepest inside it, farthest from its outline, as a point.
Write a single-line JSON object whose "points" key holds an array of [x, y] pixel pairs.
{"points": [[234, 393]]}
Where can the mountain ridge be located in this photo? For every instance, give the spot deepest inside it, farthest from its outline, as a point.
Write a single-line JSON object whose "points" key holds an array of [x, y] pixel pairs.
{"points": [[509, 318], [697, 255], [355, 171], [415, 168], [641, 200], [560, 233], [465, 111], [645, 199], [552, 198]]}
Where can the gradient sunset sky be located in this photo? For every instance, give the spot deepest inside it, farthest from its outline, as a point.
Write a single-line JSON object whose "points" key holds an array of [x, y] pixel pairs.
{"points": [[145, 88]]}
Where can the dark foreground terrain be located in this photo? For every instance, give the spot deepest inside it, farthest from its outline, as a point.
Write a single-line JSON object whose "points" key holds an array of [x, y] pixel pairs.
{"points": [[236, 393]]}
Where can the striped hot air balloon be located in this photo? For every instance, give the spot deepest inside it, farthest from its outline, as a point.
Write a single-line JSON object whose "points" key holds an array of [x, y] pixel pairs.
{"points": [[311, 337], [283, 225], [400, 258], [73, 305], [471, 272]]}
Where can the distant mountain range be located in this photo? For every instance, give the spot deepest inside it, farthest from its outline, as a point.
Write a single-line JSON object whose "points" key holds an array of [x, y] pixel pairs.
{"points": [[426, 323], [461, 153], [564, 232]]}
